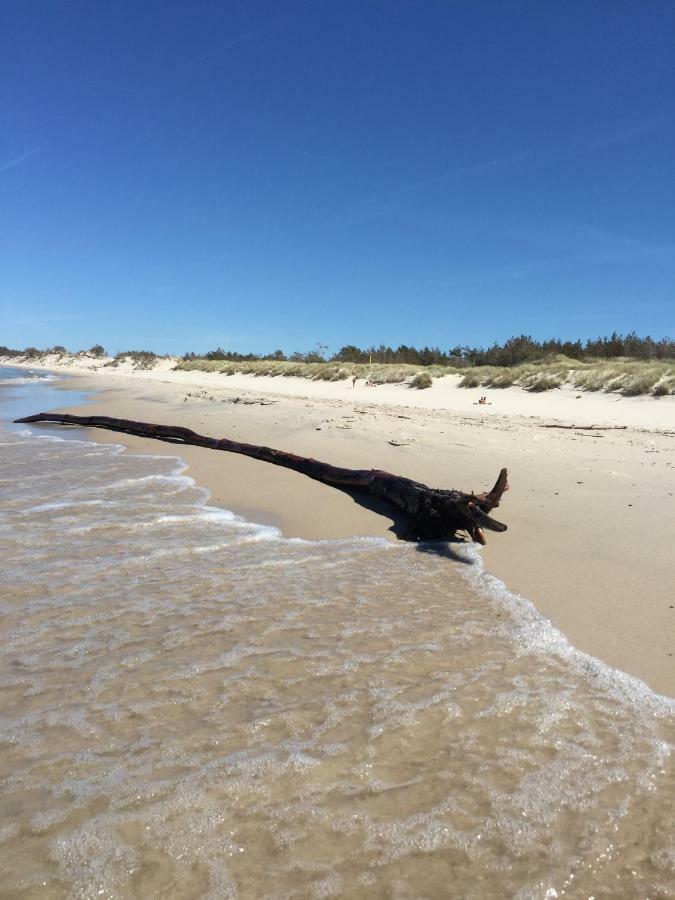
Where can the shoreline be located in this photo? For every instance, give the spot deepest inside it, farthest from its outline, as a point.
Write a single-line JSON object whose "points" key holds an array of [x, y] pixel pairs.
{"points": [[590, 515]]}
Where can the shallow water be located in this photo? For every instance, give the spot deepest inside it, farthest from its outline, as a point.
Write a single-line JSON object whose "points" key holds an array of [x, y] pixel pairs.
{"points": [[194, 706]]}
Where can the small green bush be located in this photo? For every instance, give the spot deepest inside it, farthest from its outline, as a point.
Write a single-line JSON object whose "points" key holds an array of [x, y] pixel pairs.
{"points": [[661, 389], [421, 381], [638, 386], [471, 380], [142, 359], [503, 379], [542, 383]]}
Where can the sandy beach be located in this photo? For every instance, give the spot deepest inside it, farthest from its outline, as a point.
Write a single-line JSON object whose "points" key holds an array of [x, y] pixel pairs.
{"points": [[590, 513]]}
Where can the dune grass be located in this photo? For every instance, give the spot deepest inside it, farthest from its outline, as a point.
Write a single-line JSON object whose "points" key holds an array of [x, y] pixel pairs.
{"points": [[325, 371], [625, 376], [621, 375], [139, 359], [628, 377], [421, 381]]}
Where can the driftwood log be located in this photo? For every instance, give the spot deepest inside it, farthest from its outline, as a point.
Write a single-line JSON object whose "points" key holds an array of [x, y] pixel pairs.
{"points": [[428, 513], [588, 427]]}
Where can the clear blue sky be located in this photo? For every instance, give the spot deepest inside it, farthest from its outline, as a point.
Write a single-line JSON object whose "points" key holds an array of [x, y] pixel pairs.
{"points": [[257, 175]]}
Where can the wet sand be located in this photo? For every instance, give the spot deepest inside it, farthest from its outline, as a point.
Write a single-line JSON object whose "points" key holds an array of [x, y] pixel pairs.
{"points": [[590, 513]]}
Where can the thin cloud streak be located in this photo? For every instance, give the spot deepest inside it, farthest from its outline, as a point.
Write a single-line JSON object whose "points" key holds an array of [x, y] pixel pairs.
{"points": [[489, 165], [241, 39], [383, 203], [248, 36], [31, 319], [19, 160], [625, 135], [586, 246]]}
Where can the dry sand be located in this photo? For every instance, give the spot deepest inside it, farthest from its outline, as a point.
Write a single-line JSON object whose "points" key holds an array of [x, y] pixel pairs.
{"points": [[591, 537]]}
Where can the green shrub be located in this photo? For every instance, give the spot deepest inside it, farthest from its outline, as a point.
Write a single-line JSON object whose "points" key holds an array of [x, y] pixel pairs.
{"points": [[421, 381], [542, 383], [638, 386], [471, 380], [503, 378], [142, 359]]}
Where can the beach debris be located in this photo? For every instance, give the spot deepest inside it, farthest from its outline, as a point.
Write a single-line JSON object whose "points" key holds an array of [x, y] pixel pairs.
{"points": [[587, 427], [427, 513], [247, 401]]}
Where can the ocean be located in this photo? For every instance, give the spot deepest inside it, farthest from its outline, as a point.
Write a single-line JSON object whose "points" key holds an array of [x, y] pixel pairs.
{"points": [[194, 706]]}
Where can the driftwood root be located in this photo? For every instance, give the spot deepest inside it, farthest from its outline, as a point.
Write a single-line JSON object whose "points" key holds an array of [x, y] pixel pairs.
{"points": [[429, 513]]}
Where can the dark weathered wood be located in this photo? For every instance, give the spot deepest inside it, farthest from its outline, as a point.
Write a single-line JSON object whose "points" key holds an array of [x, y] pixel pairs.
{"points": [[430, 514], [588, 427]]}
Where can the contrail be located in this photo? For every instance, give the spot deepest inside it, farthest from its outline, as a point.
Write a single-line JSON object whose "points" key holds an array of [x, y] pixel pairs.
{"points": [[627, 134], [488, 165], [12, 163], [247, 36]]}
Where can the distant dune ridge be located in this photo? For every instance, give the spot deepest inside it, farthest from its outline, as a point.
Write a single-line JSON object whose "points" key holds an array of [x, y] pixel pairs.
{"points": [[623, 375]]}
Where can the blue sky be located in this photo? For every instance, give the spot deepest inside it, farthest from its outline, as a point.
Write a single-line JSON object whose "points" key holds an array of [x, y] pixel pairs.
{"points": [[256, 175]]}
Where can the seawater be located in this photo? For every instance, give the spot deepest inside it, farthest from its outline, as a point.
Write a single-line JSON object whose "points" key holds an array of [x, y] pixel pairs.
{"points": [[194, 706]]}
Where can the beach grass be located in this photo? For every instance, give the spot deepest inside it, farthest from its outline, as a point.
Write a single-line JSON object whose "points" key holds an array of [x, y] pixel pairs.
{"points": [[620, 375], [421, 381], [379, 373], [628, 377]]}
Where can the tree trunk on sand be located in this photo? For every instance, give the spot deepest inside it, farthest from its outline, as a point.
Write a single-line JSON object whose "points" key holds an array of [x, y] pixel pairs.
{"points": [[429, 514]]}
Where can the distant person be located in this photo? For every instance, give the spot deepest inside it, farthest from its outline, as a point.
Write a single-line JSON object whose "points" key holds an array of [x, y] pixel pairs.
{"points": [[354, 380]]}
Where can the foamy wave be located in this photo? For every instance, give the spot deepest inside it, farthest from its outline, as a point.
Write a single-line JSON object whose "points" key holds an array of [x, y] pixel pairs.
{"points": [[30, 378], [56, 439], [536, 634], [140, 480], [64, 504]]}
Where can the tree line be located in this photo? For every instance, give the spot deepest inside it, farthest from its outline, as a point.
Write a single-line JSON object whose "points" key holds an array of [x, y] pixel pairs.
{"points": [[513, 352]]}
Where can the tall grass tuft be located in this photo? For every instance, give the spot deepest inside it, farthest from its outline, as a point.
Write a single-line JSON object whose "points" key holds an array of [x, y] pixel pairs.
{"points": [[141, 359], [471, 380], [421, 381], [539, 383]]}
